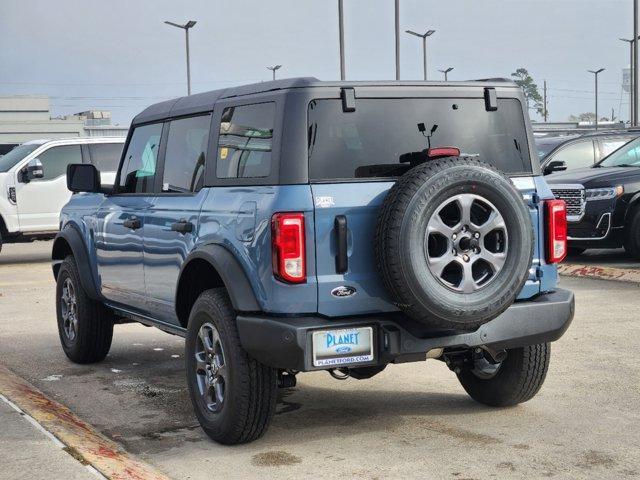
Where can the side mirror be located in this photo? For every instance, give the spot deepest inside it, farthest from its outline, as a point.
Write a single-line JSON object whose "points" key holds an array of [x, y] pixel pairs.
{"points": [[555, 166], [83, 178], [33, 170]]}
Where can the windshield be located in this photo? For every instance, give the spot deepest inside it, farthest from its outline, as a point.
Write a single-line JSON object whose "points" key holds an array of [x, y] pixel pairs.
{"points": [[626, 156], [385, 137], [9, 160]]}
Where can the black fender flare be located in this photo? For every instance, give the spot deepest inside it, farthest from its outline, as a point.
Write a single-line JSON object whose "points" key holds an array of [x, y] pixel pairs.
{"points": [[232, 274], [73, 238]]}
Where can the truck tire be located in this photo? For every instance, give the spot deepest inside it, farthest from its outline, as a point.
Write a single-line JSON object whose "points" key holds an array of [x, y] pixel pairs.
{"points": [[517, 379], [233, 395], [454, 243], [632, 234], [0, 241], [85, 326]]}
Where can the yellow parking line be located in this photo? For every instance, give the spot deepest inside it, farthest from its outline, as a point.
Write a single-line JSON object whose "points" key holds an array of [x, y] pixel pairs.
{"points": [[82, 439]]}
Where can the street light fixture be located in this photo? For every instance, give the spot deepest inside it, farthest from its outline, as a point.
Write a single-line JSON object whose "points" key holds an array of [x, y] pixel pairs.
{"points": [[632, 80], [273, 70], [186, 27], [596, 73], [446, 73], [424, 46], [341, 37]]}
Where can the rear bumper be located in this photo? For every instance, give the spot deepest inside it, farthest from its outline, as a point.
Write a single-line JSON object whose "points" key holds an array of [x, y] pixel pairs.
{"points": [[285, 342]]}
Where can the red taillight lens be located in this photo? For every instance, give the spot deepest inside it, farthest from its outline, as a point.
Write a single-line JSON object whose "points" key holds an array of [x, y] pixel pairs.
{"points": [[287, 237], [556, 230]]}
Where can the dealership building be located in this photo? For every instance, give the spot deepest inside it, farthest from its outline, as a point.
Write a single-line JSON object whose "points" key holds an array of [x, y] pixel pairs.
{"points": [[28, 117]]}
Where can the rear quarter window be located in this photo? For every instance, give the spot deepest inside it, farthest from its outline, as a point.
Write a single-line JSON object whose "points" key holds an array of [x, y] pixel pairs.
{"points": [[378, 138]]}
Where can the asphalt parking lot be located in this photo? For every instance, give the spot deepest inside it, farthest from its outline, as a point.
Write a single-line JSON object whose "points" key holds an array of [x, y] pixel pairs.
{"points": [[411, 421]]}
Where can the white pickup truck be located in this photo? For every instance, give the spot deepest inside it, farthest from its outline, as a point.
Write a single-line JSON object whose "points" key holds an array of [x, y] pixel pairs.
{"points": [[33, 182]]}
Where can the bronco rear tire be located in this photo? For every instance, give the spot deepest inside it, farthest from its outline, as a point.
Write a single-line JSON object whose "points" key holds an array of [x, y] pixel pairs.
{"points": [[233, 395], [454, 243], [517, 379], [85, 326]]}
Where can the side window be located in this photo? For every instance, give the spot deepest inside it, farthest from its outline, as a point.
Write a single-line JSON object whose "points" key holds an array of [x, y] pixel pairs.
{"points": [[576, 155], [186, 154], [244, 146], [105, 156], [55, 161], [610, 145], [138, 170]]}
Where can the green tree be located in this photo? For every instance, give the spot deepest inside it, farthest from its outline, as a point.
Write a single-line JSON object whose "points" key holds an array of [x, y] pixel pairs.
{"points": [[525, 81]]}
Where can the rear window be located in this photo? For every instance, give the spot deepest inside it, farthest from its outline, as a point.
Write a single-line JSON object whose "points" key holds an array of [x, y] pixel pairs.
{"points": [[381, 138], [106, 156]]}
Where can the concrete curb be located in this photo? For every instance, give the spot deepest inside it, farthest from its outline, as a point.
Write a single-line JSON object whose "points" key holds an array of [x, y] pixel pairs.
{"points": [[629, 275], [81, 440]]}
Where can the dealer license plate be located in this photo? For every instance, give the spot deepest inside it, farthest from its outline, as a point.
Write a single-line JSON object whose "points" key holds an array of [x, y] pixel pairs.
{"points": [[342, 347]]}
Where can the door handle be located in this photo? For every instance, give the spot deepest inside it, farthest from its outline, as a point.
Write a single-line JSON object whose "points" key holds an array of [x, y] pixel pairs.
{"points": [[133, 223], [182, 226], [342, 258]]}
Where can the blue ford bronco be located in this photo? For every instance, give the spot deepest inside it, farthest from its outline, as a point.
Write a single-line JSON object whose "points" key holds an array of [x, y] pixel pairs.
{"points": [[297, 225]]}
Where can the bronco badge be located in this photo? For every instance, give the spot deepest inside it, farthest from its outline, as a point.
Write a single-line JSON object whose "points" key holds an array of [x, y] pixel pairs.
{"points": [[343, 291]]}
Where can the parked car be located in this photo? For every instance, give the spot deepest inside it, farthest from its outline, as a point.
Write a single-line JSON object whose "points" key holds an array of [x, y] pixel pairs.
{"points": [[579, 151], [33, 183], [603, 202], [299, 225]]}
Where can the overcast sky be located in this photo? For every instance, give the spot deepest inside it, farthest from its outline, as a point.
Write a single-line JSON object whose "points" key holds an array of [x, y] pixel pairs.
{"points": [[118, 54]]}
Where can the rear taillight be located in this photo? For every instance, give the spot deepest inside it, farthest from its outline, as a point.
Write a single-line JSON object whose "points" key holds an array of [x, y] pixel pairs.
{"points": [[556, 211], [287, 237]]}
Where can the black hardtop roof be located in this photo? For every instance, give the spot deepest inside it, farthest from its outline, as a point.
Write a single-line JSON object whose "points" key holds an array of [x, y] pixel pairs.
{"points": [[203, 102]]}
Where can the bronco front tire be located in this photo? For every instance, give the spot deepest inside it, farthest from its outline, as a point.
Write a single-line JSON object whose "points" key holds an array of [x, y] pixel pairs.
{"points": [[516, 380], [85, 326], [233, 395]]}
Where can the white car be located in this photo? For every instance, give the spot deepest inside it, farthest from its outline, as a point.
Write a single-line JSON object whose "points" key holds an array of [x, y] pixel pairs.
{"points": [[33, 182]]}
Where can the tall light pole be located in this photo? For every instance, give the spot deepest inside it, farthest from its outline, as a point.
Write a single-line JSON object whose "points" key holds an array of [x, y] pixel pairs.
{"points": [[423, 36], [446, 73], [596, 73], [273, 70], [636, 61], [341, 35], [397, 39], [632, 80], [186, 27]]}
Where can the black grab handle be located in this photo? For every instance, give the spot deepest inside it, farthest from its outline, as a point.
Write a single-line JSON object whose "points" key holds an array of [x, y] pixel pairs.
{"points": [[342, 260]]}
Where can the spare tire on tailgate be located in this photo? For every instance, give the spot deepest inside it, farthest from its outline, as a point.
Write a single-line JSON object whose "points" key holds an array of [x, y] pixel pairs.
{"points": [[454, 243]]}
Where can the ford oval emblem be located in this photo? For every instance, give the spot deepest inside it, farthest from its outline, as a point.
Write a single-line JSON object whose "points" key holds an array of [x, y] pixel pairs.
{"points": [[343, 349], [343, 291]]}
